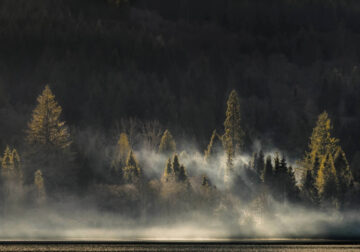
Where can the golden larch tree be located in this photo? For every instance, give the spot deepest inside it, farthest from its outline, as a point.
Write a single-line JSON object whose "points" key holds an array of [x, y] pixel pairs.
{"points": [[132, 170], [167, 143], [233, 136], [45, 126], [121, 153], [321, 141]]}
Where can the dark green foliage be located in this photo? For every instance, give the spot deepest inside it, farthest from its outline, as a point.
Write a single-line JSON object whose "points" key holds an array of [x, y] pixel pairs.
{"points": [[293, 192], [309, 190], [176, 165], [268, 173], [258, 162], [182, 177]]}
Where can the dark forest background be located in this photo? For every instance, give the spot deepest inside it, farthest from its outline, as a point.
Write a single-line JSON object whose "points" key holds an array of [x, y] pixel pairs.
{"points": [[177, 61]]}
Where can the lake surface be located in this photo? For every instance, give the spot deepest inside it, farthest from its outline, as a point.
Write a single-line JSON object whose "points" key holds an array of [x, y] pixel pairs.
{"points": [[182, 246]]}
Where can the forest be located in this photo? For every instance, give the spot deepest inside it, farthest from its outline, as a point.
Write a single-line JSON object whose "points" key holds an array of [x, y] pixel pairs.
{"points": [[156, 112]]}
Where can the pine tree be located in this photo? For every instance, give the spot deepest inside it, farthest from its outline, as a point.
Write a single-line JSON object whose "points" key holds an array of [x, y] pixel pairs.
{"points": [[259, 163], [268, 173], [233, 137], [176, 166], [167, 143], [132, 171], [214, 147], [309, 189], [253, 161], [182, 174], [45, 127], [292, 189], [168, 171], [281, 177], [40, 187]]}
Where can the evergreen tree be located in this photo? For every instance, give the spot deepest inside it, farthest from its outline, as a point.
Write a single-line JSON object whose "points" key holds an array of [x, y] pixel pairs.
{"points": [[45, 127], [281, 177], [176, 166], [268, 173], [259, 163], [309, 189], [168, 171], [233, 137], [131, 171], [253, 161], [182, 174], [292, 189], [40, 187], [167, 143], [277, 165], [214, 147]]}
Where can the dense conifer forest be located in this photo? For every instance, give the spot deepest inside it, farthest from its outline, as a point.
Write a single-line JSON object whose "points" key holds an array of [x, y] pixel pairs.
{"points": [[237, 111]]}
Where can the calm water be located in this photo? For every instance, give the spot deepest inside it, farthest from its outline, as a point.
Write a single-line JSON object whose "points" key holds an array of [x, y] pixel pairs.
{"points": [[179, 247]]}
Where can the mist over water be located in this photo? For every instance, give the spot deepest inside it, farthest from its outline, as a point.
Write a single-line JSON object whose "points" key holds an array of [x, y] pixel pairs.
{"points": [[239, 211]]}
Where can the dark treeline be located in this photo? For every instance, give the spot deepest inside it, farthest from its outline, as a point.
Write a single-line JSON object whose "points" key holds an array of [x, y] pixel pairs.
{"points": [[143, 85], [176, 62]]}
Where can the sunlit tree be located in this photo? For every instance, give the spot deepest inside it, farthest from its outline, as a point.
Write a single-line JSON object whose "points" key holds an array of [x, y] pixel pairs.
{"points": [[131, 171], [121, 154], [214, 148], [321, 141], [45, 127], [233, 137], [167, 143]]}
